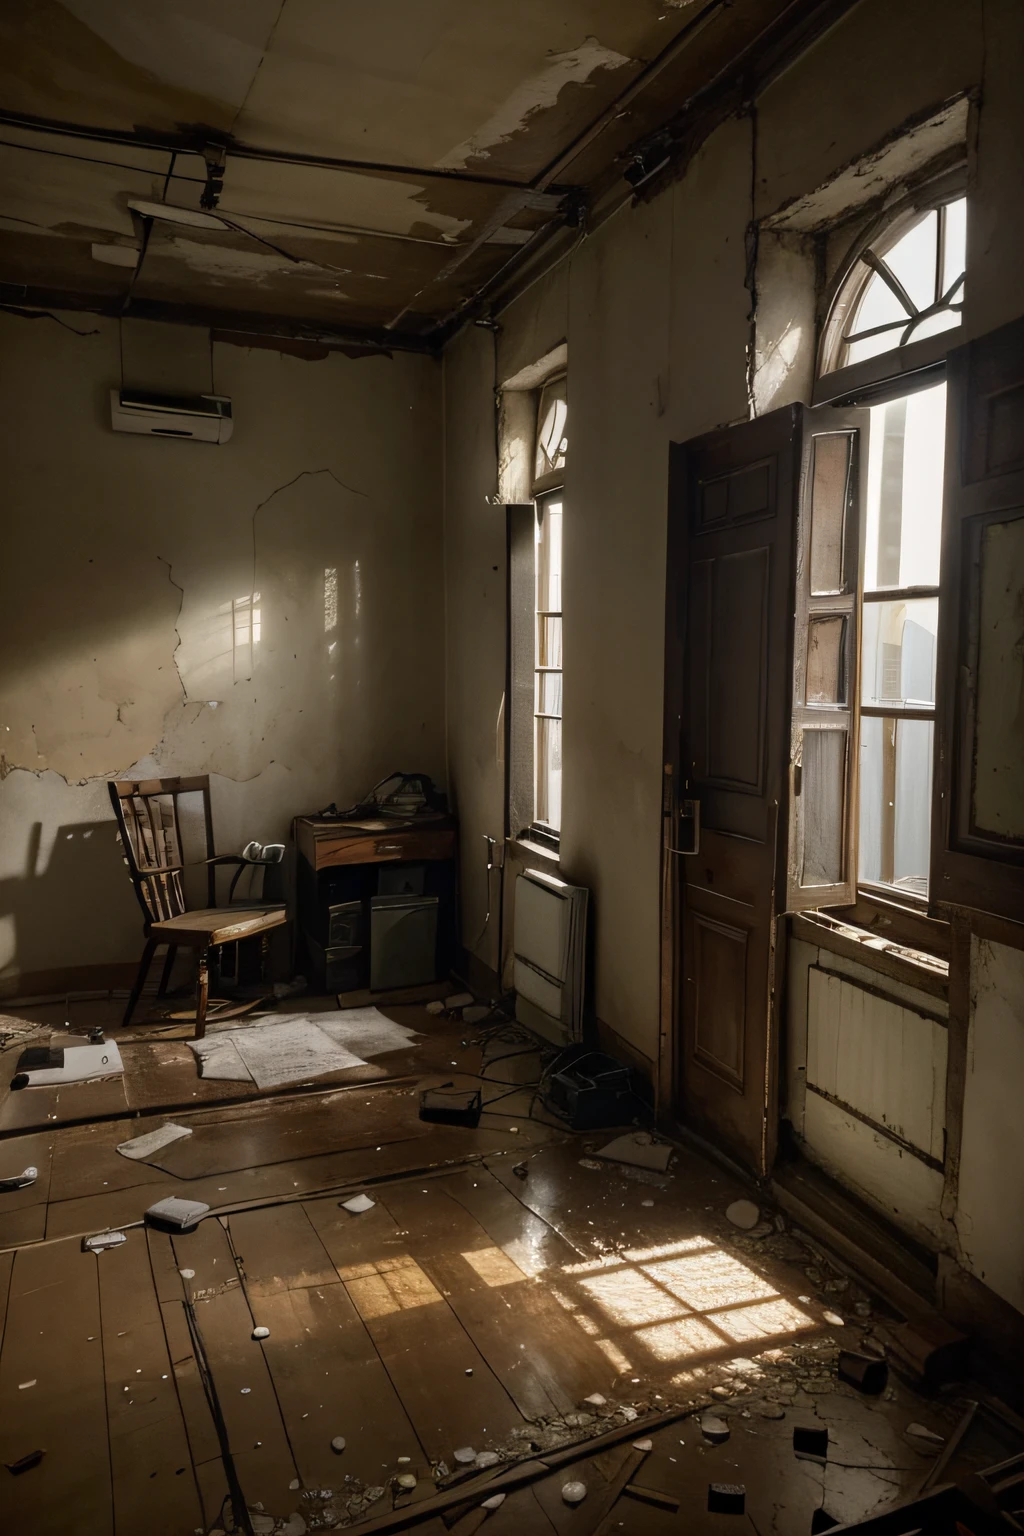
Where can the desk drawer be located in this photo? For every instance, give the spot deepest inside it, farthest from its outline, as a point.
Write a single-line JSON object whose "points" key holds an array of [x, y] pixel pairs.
{"points": [[384, 847]]}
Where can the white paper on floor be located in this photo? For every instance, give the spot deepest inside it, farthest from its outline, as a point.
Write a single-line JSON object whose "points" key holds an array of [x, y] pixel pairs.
{"points": [[218, 1058], [288, 1052], [152, 1141], [366, 1031], [82, 1063]]}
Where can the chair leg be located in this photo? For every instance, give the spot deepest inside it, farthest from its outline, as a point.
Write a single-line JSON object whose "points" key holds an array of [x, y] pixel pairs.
{"points": [[202, 992], [172, 950], [140, 979]]}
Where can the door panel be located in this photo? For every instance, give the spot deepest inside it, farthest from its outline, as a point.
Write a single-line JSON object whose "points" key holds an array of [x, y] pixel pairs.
{"points": [[728, 678]]}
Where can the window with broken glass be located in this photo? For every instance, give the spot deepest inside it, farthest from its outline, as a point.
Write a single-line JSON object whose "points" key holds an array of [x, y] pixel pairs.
{"points": [[906, 285]]}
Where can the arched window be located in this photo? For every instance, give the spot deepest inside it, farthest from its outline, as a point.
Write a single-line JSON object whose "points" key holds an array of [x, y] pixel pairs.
{"points": [[904, 284], [900, 288]]}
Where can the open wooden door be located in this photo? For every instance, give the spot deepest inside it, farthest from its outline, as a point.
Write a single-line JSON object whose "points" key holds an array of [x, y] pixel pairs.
{"points": [[763, 546]]}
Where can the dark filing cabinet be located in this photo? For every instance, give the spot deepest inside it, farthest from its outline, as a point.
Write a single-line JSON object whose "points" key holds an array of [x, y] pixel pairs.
{"points": [[376, 901]]}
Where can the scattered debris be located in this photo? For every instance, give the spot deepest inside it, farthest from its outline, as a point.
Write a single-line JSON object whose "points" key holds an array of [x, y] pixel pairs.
{"points": [[653, 1496], [726, 1498], [521, 1170], [452, 1106], [187, 1274], [743, 1213], [868, 1373], [821, 1521], [713, 1428], [153, 1141], [589, 1162], [435, 1008], [647, 1203], [810, 1443], [101, 1240], [176, 1214], [24, 1463], [20, 1180], [923, 1433], [574, 1493], [469, 1370], [495, 1501], [639, 1149], [487, 1459], [596, 1400], [338, 1444], [357, 1204], [261, 1332], [23, 1384]]}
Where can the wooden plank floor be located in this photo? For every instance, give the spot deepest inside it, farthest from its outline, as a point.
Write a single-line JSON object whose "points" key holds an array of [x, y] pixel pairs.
{"points": [[470, 1306]]}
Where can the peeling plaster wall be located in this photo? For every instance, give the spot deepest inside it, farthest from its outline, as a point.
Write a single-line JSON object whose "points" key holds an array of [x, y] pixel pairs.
{"points": [[991, 1193], [130, 568], [657, 319]]}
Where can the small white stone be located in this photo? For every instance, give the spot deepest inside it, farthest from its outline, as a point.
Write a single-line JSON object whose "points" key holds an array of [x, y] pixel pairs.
{"points": [[294, 1484], [407, 1480], [574, 1493], [261, 1332], [643, 1445], [338, 1444], [595, 1400], [403, 1461], [495, 1501], [245, 1391], [435, 1008], [488, 1459], [187, 1274], [464, 1455], [358, 1204], [743, 1213], [834, 1320]]}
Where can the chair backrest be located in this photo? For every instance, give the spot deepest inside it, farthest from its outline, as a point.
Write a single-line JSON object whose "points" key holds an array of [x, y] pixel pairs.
{"points": [[149, 821]]}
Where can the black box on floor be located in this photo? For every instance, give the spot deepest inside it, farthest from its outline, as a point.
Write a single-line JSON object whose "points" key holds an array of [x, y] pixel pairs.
{"points": [[452, 1106], [593, 1091]]}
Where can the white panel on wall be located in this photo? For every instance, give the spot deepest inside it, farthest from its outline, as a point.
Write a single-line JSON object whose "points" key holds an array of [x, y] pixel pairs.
{"points": [[991, 1193], [879, 1057], [899, 1185]]}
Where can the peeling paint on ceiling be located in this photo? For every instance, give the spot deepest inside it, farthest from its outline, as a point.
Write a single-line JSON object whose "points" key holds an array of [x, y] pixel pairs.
{"points": [[398, 146], [534, 95]]}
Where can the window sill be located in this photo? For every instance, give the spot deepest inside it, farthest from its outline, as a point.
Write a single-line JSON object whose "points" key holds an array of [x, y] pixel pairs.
{"points": [[915, 967], [905, 923], [529, 849]]}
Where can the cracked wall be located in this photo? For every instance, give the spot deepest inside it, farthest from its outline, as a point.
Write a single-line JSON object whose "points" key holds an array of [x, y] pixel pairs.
{"points": [[269, 611]]}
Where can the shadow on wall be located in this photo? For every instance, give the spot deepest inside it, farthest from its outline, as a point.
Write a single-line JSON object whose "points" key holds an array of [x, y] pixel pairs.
{"points": [[75, 909]]}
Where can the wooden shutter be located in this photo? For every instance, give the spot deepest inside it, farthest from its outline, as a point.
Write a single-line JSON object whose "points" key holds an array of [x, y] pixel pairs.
{"points": [[521, 656], [822, 862], [978, 811]]}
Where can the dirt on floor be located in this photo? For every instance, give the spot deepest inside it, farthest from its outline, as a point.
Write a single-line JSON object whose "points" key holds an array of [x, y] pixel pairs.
{"points": [[509, 1295]]}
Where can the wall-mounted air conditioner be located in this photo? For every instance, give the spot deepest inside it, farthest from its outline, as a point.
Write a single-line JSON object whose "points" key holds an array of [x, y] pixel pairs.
{"points": [[204, 418]]}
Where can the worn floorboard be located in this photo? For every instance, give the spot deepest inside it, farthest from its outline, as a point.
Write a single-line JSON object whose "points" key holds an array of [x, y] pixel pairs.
{"points": [[154, 1484], [53, 1397]]}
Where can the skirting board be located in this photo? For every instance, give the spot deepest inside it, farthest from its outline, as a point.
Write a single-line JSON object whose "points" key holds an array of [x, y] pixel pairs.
{"points": [[20, 986]]}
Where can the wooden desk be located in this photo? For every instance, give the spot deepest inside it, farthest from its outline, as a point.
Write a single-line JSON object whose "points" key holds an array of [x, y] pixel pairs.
{"points": [[339, 872]]}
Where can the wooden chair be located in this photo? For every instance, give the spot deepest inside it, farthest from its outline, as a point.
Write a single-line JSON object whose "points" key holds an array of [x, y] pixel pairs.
{"points": [[150, 824]]}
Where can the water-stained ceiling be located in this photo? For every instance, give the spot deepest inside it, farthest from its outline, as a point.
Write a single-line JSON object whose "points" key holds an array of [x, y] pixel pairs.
{"points": [[350, 170]]}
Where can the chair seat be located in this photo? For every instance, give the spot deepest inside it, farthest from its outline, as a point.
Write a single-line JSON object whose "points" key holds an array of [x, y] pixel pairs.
{"points": [[219, 925]]}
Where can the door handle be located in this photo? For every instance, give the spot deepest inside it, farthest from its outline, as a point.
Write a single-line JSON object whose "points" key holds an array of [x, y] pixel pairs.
{"points": [[689, 828]]}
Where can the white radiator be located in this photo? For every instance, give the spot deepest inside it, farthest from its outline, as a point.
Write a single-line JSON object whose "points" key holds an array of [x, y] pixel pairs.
{"points": [[549, 947]]}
